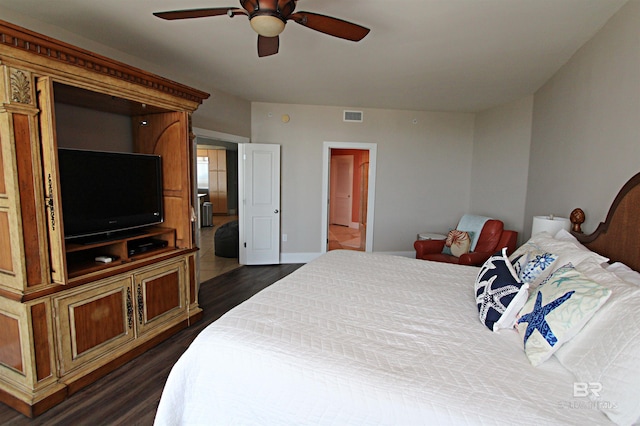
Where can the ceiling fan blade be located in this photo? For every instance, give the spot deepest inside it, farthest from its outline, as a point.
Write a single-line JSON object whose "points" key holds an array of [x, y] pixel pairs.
{"points": [[268, 45], [197, 13], [332, 26]]}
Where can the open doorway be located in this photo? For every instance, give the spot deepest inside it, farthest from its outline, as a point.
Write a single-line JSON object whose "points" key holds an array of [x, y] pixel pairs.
{"points": [[216, 170], [349, 190], [217, 173], [348, 185]]}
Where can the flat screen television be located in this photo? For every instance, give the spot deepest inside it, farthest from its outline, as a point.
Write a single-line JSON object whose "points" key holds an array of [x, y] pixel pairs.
{"points": [[107, 194]]}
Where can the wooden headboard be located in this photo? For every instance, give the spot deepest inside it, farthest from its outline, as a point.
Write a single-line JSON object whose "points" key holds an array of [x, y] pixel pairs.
{"points": [[617, 237]]}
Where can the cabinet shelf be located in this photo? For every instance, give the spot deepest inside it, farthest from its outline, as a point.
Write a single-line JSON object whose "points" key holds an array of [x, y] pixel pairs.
{"points": [[81, 257]]}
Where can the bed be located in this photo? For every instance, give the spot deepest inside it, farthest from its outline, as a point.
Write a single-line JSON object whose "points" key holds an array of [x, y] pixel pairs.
{"points": [[365, 338]]}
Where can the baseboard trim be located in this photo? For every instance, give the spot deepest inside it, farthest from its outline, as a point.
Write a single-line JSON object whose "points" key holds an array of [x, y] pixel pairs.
{"points": [[411, 254], [35, 408], [286, 258]]}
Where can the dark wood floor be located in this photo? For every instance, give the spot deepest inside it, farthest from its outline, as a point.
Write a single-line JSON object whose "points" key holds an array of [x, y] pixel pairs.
{"points": [[130, 394]]}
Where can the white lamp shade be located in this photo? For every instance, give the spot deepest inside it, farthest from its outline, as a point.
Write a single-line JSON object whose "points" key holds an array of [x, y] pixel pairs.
{"points": [[550, 224]]}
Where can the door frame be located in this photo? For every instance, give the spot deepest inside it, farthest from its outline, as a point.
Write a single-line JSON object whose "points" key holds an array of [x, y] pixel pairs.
{"points": [[326, 165]]}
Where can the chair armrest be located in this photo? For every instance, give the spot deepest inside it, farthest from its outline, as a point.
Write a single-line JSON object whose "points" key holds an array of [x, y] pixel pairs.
{"points": [[424, 247], [474, 258], [508, 239]]}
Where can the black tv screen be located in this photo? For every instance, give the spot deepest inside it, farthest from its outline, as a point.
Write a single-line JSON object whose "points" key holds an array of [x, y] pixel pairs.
{"points": [[104, 193]]}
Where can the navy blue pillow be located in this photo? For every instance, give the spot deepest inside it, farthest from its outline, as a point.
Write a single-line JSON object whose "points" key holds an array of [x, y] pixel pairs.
{"points": [[499, 292]]}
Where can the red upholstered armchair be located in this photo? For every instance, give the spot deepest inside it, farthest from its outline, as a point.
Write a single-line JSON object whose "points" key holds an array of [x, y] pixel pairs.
{"points": [[492, 238]]}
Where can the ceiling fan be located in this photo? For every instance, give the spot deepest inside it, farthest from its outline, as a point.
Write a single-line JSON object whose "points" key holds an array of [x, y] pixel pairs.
{"points": [[268, 18]]}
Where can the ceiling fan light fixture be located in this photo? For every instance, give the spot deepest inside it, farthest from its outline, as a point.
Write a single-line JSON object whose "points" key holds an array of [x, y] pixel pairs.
{"points": [[269, 17], [267, 25]]}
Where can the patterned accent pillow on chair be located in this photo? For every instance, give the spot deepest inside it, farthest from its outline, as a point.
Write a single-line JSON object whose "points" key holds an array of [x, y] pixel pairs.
{"points": [[457, 243]]}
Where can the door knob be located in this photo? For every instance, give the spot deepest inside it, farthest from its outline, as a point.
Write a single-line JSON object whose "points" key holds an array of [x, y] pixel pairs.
{"points": [[276, 211]]}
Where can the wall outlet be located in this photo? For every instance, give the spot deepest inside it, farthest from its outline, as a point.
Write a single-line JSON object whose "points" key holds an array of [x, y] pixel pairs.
{"points": [[284, 237]]}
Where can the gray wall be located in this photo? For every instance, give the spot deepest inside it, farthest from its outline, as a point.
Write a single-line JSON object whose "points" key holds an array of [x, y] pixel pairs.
{"points": [[586, 125], [423, 169], [583, 133], [83, 128], [574, 143], [222, 112], [500, 164]]}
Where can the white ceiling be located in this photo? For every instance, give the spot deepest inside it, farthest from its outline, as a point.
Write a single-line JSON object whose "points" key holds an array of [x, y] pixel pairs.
{"points": [[439, 55]]}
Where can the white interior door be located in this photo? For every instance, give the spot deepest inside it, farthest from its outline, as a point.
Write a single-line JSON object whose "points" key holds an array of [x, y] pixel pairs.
{"points": [[341, 193], [259, 193]]}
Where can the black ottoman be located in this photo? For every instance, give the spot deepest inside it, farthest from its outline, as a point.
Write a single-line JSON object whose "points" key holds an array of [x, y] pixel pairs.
{"points": [[226, 240]]}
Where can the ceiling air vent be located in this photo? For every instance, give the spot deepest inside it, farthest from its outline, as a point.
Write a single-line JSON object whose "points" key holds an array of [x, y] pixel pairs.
{"points": [[352, 116]]}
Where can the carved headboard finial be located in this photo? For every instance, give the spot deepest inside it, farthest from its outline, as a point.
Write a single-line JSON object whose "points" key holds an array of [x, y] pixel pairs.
{"points": [[577, 219]]}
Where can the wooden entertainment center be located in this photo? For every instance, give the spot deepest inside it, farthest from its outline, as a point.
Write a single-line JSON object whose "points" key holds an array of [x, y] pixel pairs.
{"points": [[65, 319]]}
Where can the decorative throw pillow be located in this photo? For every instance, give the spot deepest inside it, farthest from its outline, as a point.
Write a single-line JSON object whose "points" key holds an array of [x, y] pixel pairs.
{"points": [[457, 243], [557, 311], [533, 264], [499, 293]]}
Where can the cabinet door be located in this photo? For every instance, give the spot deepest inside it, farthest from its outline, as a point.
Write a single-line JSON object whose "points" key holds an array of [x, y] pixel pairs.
{"points": [[161, 297], [92, 321], [53, 202]]}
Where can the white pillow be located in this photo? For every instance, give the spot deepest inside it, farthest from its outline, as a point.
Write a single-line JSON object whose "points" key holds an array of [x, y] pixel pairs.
{"points": [[625, 273], [606, 353], [568, 249], [564, 235]]}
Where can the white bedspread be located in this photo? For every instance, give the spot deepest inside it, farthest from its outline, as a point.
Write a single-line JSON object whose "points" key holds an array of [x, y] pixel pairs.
{"points": [[356, 338]]}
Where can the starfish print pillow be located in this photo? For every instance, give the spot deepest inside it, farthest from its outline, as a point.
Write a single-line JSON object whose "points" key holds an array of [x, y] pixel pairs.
{"points": [[557, 311], [499, 293]]}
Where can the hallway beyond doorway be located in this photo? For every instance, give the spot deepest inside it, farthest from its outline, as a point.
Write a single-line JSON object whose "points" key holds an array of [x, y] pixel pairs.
{"points": [[343, 237], [210, 264]]}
